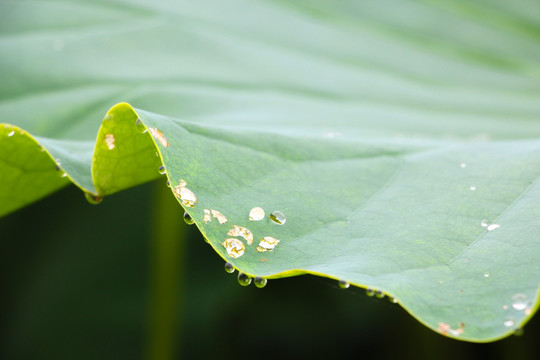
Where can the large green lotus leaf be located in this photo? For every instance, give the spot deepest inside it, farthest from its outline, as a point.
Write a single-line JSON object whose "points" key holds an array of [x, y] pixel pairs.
{"points": [[400, 139]]}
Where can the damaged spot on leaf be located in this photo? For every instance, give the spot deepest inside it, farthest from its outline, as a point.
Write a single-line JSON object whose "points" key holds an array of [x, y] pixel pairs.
{"points": [[219, 216], [445, 329]]}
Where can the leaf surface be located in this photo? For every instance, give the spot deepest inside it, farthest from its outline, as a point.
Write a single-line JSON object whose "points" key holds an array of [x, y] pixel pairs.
{"points": [[400, 139]]}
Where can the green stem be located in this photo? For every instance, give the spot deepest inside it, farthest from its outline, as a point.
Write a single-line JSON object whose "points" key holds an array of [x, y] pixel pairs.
{"points": [[166, 278]]}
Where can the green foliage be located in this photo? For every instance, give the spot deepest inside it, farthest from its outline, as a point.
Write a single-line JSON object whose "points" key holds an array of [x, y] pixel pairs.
{"points": [[400, 140]]}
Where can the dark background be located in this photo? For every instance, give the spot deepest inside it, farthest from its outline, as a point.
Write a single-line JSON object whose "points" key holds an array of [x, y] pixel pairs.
{"points": [[79, 282]]}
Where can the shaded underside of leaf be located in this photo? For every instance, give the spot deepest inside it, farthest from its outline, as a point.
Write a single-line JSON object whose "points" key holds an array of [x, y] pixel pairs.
{"points": [[400, 139]]}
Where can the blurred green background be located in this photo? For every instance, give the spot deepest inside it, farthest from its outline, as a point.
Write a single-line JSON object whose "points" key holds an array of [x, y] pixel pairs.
{"points": [[121, 281]]}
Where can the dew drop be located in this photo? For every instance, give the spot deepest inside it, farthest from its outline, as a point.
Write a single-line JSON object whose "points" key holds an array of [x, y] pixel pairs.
{"points": [[463, 165], [519, 332], [93, 199], [486, 275], [11, 133], [243, 279], [229, 267], [472, 188], [188, 219], [162, 170], [370, 292], [140, 126], [168, 183], [256, 214], [379, 294], [278, 217], [519, 302], [343, 284], [260, 282], [64, 175], [57, 167], [509, 322], [393, 300]]}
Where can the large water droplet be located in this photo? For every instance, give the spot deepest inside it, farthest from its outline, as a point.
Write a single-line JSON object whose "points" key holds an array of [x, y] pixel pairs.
{"points": [[188, 219], [260, 282], [343, 284], [140, 126], [256, 214], [93, 199], [243, 279], [370, 292], [229, 267], [519, 302], [278, 217], [162, 170]]}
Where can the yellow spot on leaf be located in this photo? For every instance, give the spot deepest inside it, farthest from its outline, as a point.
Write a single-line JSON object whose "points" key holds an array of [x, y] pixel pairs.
{"points": [[235, 248], [158, 135], [267, 243], [219, 216], [109, 140], [241, 231]]}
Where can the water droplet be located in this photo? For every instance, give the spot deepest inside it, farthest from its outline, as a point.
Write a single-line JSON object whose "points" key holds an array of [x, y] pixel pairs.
{"points": [[370, 292], [393, 300], [278, 217], [463, 165], [473, 188], [243, 279], [256, 214], [267, 243], [168, 183], [64, 175], [235, 248], [486, 275], [241, 231], [188, 219], [484, 223], [519, 332], [343, 284], [11, 133], [379, 294], [57, 167], [492, 227], [260, 282], [162, 170], [229, 267], [140, 126], [509, 321], [519, 302], [93, 199]]}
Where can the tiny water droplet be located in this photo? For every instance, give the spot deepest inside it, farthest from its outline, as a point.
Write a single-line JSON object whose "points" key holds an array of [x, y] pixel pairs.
{"points": [[509, 322], [256, 214], [140, 126], [229, 267], [243, 279], [260, 282], [57, 167], [343, 284], [64, 175], [278, 217], [393, 300], [370, 292], [484, 223], [188, 219], [379, 294], [519, 302], [473, 188], [168, 183], [486, 275], [11, 133], [93, 199], [162, 170], [463, 165], [519, 332]]}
